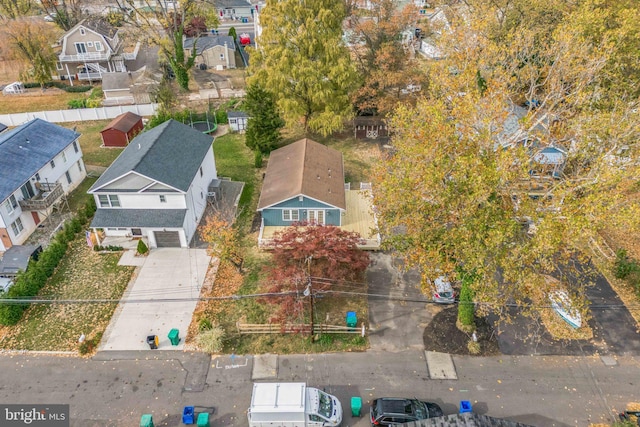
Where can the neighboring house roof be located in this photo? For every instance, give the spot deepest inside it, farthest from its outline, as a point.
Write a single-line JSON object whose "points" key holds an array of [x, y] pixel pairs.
{"points": [[550, 156], [467, 419], [304, 168], [24, 150], [170, 153], [208, 42], [166, 218], [222, 4], [116, 81], [368, 120], [100, 26], [3, 127], [237, 114], [124, 122], [16, 259]]}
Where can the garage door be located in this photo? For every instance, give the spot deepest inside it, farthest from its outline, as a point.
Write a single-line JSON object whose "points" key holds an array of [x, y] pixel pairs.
{"points": [[167, 239]]}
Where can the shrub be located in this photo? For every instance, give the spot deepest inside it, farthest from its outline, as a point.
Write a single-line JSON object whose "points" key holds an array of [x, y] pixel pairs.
{"points": [[473, 347], [75, 225], [257, 159], [76, 89], [77, 103], [466, 309], [90, 207], [142, 248], [221, 117], [93, 103], [210, 341], [204, 325], [624, 265]]}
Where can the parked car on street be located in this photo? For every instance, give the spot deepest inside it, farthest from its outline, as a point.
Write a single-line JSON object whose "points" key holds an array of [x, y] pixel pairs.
{"points": [[443, 292], [50, 18], [391, 411]]}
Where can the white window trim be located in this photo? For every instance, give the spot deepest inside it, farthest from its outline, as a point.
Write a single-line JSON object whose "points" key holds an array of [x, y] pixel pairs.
{"points": [[59, 66], [17, 227], [99, 47], [76, 44], [89, 44], [82, 31], [163, 198], [288, 215], [109, 202]]}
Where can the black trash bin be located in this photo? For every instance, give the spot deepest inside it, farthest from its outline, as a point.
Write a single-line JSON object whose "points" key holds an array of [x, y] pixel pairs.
{"points": [[152, 340]]}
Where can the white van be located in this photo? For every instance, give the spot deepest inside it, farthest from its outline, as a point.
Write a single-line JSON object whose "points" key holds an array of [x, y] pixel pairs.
{"points": [[292, 405]]}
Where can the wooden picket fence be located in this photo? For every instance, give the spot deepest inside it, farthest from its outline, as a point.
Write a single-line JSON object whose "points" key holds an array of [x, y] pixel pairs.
{"points": [[277, 328]]}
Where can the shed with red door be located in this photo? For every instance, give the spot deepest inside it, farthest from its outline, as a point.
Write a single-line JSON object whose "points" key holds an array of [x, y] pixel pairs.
{"points": [[121, 130]]}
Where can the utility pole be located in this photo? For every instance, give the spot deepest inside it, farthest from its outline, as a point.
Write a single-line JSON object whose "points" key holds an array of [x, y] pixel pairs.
{"points": [[310, 290]]}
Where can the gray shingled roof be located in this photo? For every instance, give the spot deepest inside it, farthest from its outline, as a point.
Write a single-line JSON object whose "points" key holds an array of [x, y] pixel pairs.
{"points": [[24, 150], [170, 153], [172, 218], [236, 114], [116, 81], [208, 42], [16, 259], [467, 419], [221, 4], [100, 26]]}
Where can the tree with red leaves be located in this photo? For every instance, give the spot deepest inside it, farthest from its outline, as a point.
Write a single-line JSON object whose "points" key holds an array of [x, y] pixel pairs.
{"points": [[319, 256]]}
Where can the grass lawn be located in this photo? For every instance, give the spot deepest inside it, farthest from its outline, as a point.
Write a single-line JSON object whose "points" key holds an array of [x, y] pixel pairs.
{"points": [[91, 143], [235, 160], [82, 274], [50, 99]]}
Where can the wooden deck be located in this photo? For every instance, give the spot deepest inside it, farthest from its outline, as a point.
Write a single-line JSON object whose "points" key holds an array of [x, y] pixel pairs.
{"points": [[359, 217]]}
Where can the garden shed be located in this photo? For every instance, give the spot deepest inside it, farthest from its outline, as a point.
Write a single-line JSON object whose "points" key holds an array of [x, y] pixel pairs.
{"points": [[121, 130]]}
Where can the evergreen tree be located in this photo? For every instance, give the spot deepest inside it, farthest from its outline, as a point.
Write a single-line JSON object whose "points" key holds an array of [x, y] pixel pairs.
{"points": [[263, 130]]}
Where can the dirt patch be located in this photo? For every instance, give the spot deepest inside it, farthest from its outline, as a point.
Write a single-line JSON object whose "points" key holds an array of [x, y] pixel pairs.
{"points": [[443, 336]]}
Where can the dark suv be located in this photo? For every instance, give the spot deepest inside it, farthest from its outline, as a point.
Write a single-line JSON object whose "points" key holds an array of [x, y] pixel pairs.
{"points": [[390, 411]]}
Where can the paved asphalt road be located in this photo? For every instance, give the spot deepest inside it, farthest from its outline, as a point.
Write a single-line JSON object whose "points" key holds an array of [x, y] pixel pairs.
{"points": [[542, 391]]}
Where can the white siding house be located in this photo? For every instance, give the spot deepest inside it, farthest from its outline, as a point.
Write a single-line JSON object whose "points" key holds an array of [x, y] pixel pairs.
{"points": [[157, 187], [40, 162]]}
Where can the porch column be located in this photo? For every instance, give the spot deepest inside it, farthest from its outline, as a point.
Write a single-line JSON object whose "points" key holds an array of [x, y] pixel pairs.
{"points": [[68, 75]]}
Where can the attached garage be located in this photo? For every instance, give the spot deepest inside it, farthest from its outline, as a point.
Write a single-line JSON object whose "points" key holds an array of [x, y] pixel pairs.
{"points": [[167, 239]]}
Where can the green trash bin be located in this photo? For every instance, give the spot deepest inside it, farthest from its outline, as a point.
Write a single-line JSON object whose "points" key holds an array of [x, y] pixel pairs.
{"points": [[356, 406], [174, 336], [352, 319], [146, 421], [203, 419]]}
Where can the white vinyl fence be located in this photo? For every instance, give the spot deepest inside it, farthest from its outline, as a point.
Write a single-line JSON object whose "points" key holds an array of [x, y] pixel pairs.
{"points": [[79, 114]]}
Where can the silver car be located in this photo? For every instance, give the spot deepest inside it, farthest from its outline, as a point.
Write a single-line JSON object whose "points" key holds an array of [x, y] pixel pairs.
{"points": [[443, 292]]}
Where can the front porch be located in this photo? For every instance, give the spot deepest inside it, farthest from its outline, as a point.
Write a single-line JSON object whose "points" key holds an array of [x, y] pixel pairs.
{"points": [[359, 217], [126, 242]]}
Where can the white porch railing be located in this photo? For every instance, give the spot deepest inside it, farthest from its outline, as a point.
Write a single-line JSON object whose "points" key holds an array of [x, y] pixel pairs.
{"points": [[89, 56], [132, 56]]}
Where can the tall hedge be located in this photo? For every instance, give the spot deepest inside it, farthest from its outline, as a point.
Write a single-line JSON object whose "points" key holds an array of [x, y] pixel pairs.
{"points": [[28, 283]]}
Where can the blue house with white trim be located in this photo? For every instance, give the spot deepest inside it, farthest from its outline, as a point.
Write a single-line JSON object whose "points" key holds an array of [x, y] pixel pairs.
{"points": [[304, 182]]}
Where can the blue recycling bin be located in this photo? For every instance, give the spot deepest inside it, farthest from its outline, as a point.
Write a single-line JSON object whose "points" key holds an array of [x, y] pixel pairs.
{"points": [[465, 406], [352, 319], [245, 20], [187, 415]]}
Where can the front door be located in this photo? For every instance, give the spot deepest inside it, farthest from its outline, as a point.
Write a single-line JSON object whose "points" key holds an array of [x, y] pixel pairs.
{"points": [[27, 191], [36, 217], [6, 240], [316, 217]]}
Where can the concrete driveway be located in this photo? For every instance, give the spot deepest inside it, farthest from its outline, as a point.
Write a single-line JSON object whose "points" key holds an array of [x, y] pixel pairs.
{"points": [[162, 297], [397, 318]]}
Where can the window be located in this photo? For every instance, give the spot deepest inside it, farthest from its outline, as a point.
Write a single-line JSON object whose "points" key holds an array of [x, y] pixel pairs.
{"points": [[290, 215], [200, 170], [99, 47], [89, 44], [222, 57], [68, 177], [110, 201], [82, 31], [233, 121], [11, 204], [81, 48], [17, 227], [75, 146], [163, 198], [37, 176], [52, 163], [58, 66], [64, 157], [315, 216], [79, 166]]}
